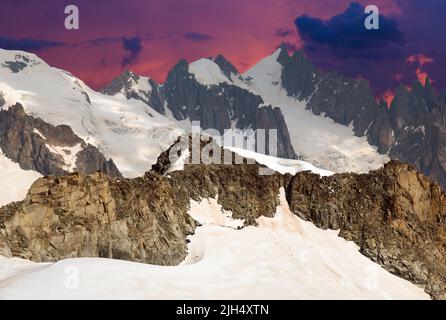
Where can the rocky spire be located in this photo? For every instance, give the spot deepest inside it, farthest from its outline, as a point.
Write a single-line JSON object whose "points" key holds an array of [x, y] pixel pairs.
{"points": [[225, 66]]}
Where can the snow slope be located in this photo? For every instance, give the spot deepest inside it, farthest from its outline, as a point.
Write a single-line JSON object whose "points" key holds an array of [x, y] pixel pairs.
{"points": [[283, 258], [14, 180], [207, 72], [281, 165], [318, 139], [128, 131]]}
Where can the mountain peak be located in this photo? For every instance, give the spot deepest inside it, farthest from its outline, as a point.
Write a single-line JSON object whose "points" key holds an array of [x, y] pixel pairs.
{"points": [[283, 49], [226, 67]]}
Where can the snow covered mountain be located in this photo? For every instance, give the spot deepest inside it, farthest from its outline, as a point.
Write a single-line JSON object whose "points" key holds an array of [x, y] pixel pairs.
{"points": [[127, 131], [316, 139], [329, 120]]}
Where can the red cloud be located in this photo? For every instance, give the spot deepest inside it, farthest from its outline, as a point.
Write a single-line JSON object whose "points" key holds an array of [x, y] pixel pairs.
{"points": [[388, 97], [421, 59]]}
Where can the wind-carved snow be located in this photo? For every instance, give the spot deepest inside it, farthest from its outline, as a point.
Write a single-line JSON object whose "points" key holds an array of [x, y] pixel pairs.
{"points": [[283, 257], [15, 181], [37, 131], [178, 165], [318, 139], [279, 164], [128, 131], [207, 72]]}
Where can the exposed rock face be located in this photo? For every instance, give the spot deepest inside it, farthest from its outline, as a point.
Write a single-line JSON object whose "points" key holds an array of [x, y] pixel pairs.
{"points": [[411, 130], [395, 215], [2, 100], [92, 216], [19, 63], [344, 100], [143, 219], [223, 106], [38, 146], [225, 66], [133, 86]]}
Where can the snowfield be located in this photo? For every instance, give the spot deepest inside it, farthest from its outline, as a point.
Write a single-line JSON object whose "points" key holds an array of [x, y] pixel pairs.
{"points": [[207, 72], [283, 258], [14, 180]]}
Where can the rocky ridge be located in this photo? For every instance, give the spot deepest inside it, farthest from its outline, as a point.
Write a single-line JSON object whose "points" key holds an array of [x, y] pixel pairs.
{"points": [[49, 150], [395, 214], [412, 129]]}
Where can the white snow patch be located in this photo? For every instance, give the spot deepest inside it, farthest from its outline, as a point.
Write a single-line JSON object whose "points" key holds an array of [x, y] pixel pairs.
{"points": [[179, 164], [209, 212], [68, 154], [281, 165], [207, 72], [36, 131], [14, 181]]}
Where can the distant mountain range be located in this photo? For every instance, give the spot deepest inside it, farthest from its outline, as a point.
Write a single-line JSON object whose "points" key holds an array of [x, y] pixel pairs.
{"points": [[212, 91]]}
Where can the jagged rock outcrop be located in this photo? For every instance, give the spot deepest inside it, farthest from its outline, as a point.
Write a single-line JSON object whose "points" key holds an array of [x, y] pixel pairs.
{"points": [[395, 215], [225, 66], [224, 106], [411, 130], [133, 86], [143, 219], [50, 150], [95, 216], [344, 100]]}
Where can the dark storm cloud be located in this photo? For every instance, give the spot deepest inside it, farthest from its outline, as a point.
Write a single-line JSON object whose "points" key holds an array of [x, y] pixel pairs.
{"points": [[283, 32], [133, 47], [27, 44], [197, 37], [346, 35], [102, 41], [344, 44]]}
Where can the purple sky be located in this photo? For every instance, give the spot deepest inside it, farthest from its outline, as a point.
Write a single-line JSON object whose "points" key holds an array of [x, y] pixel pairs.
{"points": [[150, 36]]}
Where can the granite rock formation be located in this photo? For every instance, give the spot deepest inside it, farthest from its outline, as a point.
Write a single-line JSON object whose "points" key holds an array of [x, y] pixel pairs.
{"points": [[37, 145]]}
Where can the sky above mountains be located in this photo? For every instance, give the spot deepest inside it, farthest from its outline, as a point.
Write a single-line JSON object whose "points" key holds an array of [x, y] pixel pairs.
{"points": [[150, 36]]}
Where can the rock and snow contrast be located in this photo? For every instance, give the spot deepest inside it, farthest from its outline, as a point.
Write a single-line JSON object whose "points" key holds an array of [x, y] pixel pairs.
{"points": [[318, 139], [283, 258], [127, 131], [211, 231], [15, 181]]}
